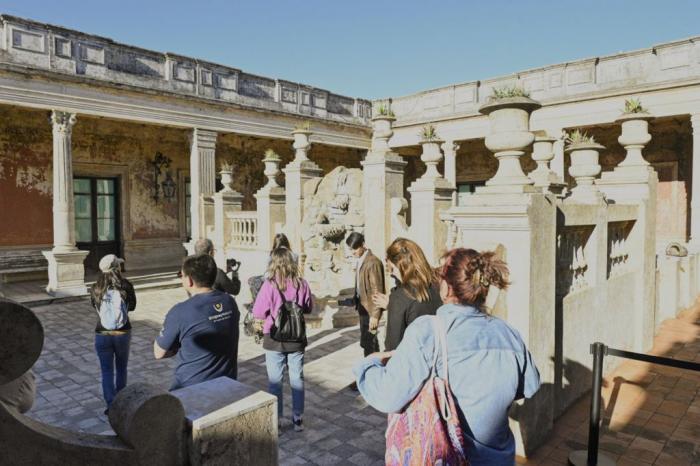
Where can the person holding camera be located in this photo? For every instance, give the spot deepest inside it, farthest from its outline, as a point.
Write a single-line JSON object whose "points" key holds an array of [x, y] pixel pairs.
{"points": [[223, 282]]}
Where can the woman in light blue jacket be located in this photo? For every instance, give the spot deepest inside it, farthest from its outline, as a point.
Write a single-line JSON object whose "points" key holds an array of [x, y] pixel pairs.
{"points": [[488, 362]]}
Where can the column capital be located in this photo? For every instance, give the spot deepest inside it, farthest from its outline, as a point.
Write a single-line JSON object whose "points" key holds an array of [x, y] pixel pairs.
{"points": [[62, 121], [204, 138], [450, 146]]}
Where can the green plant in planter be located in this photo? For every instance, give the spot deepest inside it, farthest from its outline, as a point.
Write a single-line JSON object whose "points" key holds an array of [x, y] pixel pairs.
{"points": [[579, 137], [508, 91], [429, 134], [226, 166], [384, 110], [634, 105], [303, 126], [271, 155]]}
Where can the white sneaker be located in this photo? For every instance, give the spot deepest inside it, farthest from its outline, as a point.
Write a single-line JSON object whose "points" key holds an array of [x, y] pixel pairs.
{"points": [[298, 424]]}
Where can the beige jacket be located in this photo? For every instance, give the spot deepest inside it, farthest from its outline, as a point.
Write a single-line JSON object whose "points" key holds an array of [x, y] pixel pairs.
{"points": [[370, 281]]}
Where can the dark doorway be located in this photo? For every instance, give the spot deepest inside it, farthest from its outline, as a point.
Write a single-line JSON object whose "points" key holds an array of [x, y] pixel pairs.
{"points": [[97, 218]]}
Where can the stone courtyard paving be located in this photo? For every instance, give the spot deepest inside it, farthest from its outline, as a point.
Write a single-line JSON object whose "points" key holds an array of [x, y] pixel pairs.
{"points": [[340, 428], [652, 414]]}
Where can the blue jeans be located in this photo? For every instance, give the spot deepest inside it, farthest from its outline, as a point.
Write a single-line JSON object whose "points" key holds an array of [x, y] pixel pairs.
{"points": [[275, 363], [112, 349]]}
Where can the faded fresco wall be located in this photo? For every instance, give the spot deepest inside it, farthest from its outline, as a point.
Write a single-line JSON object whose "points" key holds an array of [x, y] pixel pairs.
{"points": [[102, 142], [26, 172], [100, 145], [25, 177]]}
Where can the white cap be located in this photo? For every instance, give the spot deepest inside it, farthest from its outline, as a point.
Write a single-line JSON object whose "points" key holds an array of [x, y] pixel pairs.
{"points": [[109, 262]]}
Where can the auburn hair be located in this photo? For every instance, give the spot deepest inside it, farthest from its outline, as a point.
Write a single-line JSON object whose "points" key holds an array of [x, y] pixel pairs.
{"points": [[470, 273], [416, 274]]}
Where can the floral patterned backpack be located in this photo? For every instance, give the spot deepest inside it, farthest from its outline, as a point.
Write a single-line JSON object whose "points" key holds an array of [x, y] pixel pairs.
{"points": [[428, 432]]}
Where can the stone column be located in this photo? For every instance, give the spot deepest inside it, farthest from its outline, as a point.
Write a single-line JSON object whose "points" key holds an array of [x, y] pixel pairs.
{"points": [[695, 194], [271, 201], [450, 148], [202, 180], [556, 165], [66, 270], [430, 195], [296, 173], [226, 201], [382, 180]]}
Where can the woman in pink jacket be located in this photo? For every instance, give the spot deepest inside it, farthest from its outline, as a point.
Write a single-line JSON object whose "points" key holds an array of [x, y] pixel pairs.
{"points": [[284, 283]]}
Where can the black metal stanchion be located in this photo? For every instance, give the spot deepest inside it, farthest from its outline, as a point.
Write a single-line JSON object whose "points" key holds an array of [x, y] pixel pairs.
{"points": [[592, 457]]}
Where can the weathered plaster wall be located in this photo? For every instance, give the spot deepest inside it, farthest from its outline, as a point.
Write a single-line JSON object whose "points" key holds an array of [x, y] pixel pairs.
{"points": [[25, 177], [98, 146], [102, 142], [104, 147], [475, 162]]}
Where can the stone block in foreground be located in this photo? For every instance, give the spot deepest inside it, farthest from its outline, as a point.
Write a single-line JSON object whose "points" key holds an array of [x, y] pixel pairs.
{"points": [[229, 423]]}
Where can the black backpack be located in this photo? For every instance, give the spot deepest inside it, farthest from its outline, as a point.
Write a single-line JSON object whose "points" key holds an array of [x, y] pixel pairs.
{"points": [[289, 324]]}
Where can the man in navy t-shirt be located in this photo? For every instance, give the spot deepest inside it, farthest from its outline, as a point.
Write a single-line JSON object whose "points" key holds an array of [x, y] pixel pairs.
{"points": [[202, 331]]}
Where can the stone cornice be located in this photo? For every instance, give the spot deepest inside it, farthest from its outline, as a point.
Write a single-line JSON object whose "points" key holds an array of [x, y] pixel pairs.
{"points": [[66, 52], [663, 66], [56, 95]]}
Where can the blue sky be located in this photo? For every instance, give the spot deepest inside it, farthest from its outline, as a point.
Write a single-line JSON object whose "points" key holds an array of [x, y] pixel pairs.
{"points": [[377, 48]]}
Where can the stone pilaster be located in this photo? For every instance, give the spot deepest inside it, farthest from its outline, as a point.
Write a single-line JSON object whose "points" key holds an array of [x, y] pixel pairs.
{"points": [[449, 149], [271, 203], [695, 195], [202, 179], [382, 180], [296, 173], [226, 201], [66, 270]]}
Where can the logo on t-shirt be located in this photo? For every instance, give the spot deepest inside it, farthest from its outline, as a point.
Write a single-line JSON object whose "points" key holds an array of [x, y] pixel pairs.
{"points": [[218, 307]]}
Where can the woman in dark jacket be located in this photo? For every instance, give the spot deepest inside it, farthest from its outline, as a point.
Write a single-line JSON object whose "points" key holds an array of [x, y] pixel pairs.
{"points": [[113, 298], [416, 292]]}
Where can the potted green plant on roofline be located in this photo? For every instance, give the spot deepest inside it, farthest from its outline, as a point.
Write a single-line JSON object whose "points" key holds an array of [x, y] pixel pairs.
{"points": [[382, 118], [509, 109], [584, 168], [431, 155], [635, 132]]}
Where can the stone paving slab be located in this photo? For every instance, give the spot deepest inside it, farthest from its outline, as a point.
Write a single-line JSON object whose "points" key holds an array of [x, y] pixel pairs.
{"points": [[340, 428], [651, 413]]}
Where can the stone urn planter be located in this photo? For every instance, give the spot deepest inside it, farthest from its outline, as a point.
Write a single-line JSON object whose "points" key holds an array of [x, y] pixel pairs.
{"points": [[431, 157], [382, 132], [301, 144], [272, 169], [584, 169], [509, 136], [543, 176], [635, 135], [226, 173]]}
